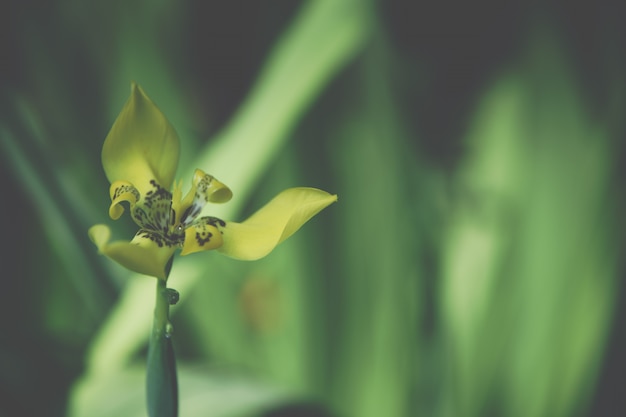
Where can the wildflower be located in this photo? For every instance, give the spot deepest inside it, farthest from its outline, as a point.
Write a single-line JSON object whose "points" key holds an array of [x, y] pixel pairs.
{"points": [[140, 158]]}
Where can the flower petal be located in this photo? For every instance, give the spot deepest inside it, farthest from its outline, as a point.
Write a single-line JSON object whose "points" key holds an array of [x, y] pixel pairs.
{"points": [[142, 145], [276, 221], [146, 253], [203, 234], [209, 188], [122, 191], [204, 188]]}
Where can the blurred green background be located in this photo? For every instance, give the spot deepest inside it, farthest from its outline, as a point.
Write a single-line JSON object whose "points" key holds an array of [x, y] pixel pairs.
{"points": [[472, 266]]}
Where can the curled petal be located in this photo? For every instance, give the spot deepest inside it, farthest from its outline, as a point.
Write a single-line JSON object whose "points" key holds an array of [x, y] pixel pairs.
{"points": [[122, 191], [276, 221], [142, 145], [204, 188], [146, 253], [203, 234]]}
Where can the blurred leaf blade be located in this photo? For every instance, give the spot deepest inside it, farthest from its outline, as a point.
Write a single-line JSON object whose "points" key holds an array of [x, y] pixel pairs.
{"points": [[379, 240], [532, 185]]}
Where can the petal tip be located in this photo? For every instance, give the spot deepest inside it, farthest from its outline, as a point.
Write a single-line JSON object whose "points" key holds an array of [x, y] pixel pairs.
{"points": [[274, 223], [115, 211], [222, 195], [142, 144], [99, 235]]}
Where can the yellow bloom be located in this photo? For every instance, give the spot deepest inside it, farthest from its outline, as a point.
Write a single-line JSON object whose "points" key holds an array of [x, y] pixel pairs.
{"points": [[140, 157]]}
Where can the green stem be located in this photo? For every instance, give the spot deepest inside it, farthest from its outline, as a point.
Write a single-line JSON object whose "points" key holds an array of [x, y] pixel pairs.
{"points": [[162, 308], [161, 381]]}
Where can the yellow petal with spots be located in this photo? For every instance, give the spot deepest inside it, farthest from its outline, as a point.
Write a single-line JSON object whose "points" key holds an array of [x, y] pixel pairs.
{"points": [[276, 221], [122, 191], [141, 146], [209, 188], [145, 254], [202, 235], [204, 188]]}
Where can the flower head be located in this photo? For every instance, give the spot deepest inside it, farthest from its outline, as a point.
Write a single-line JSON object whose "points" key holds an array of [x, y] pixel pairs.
{"points": [[140, 158]]}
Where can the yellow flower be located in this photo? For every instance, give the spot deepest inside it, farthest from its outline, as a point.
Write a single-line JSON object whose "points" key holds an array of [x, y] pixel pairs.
{"points": [[140, 158]]}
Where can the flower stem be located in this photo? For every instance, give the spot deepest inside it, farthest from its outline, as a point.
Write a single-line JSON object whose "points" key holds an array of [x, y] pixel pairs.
{"points": [[161, 381]]}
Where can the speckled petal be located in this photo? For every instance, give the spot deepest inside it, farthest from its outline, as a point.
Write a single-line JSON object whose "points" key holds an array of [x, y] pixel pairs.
{"points": [[122, 191], [146, 253], [204, 188], [203, 234]]}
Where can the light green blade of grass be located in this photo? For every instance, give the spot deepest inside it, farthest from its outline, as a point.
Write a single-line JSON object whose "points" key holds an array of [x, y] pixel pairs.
{"points": [[375, 346], [567, 259], [476, 241]]}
